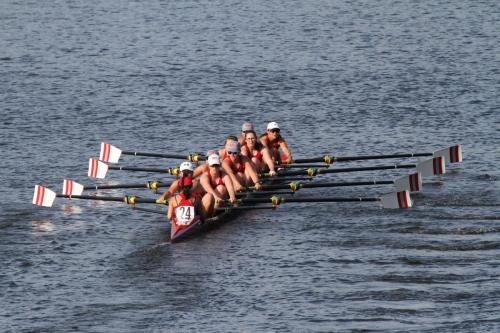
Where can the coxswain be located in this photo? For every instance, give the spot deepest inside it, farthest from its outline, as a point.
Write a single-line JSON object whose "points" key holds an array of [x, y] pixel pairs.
{"points": [[240, 168], [217, 185], [245, 128], [273, 141], [186, 170], [187, 197], [258, 154]]}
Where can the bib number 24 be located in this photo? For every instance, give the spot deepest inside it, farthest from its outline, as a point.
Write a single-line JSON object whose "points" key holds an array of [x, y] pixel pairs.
{"points": [[184, 214]]}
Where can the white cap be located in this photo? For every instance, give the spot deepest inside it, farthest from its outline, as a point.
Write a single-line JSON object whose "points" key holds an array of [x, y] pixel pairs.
{"points": [[213, 159], [246, 127], [272, 125], [186, 166]]}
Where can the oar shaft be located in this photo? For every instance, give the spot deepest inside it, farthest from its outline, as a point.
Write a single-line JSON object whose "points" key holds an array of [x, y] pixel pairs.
{"points": [[126, 199], [359, 158], [157, 170], [137, 153], [310, 199], [189, 157], [378, 157], [321, 199], [244, 208], [381, 167], [118, 186], [339, 170], [325, 184]]}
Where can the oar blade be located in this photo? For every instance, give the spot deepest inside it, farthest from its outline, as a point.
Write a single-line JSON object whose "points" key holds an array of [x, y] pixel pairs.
{"points": [[43, 196], [71, 187], [451, 154], [412, 183], [97, 169], [432, 167], [397, 200], [109, 153]]}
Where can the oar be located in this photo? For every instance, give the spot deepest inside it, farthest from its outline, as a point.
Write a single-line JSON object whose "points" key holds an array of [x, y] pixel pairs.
{"points": [[70, 187], [45, 197], [451, 154], [111, 154], [412, 183], [391, 200], [431, 167], [98, 169]]}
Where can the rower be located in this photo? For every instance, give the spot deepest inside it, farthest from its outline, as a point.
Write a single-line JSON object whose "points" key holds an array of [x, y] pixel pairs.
{"points": [[186, 204], [245, 128], [259, 154], [217, 185], [273, 141], [186, 169], [240, 168], [223, 152], [200, 169]]}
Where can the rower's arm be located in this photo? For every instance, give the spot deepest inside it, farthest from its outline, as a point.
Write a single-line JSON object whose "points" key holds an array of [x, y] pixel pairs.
{"points": [[205, 183], [198, 171], [286, 151], [170, 213], [174, 187], [227, 169], [245, 152], [265, 141], [266, 157], [251, 170], [229, 187]]}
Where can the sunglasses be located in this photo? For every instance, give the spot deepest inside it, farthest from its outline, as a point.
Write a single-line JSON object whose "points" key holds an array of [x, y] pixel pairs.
{"points": [[232, 153], [274, 130]]}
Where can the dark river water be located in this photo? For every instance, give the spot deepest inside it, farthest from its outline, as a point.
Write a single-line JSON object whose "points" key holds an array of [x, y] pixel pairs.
{"points": [[343, 77]]}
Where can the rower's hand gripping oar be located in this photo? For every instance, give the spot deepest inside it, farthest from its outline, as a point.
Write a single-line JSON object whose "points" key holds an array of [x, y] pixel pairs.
{"points": [[112, 154], [46, 197], [451, 154], [99, 169]]}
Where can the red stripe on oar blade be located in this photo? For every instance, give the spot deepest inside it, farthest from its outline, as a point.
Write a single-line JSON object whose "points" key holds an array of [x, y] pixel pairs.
{"points": [[454, 154], [405, 199], [441, 163], [414, 182], [40, 195], [93, 170], [107, 151]]}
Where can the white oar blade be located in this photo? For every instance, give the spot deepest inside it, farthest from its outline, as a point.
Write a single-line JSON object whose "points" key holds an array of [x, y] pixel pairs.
{"points": [[397, 200], [97, 169], [452, 154], [412, 183], [109, 153], [432, 167], [72, 188], [43, 196]]}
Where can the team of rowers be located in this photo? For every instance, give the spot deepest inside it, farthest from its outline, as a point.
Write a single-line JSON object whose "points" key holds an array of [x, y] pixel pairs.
{"points": [[227, 171]]}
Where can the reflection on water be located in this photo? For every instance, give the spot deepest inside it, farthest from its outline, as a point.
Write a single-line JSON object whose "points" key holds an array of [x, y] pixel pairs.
{"points": [[43, 226]]}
